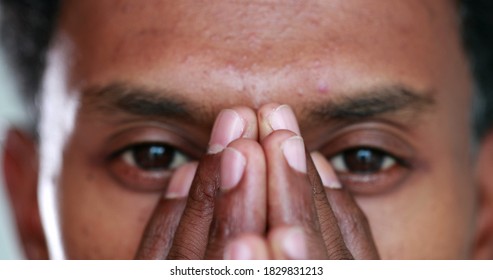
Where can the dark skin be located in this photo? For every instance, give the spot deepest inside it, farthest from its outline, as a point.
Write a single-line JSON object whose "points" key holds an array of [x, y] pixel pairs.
{"points": [[258, 214], [381, 91]]}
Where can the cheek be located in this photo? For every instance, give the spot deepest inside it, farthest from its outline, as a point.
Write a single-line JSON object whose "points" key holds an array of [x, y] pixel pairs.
{"points": [[100, 219], [428, 217]]}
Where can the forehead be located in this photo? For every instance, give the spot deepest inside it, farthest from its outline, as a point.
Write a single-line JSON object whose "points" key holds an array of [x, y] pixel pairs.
{"points": [[262, 50]]}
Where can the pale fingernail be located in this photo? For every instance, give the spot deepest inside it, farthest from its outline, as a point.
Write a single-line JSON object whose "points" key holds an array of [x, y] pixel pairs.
{"points": [[233, 165], [294, 151], [228, 127], [283, 118], [325, 171], [181, 181], [294, 245], [238, 250]]}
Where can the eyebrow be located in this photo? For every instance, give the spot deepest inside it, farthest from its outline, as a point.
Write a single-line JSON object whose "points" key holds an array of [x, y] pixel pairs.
{"points": [[161, 103], [143, 102], [374, 102]]}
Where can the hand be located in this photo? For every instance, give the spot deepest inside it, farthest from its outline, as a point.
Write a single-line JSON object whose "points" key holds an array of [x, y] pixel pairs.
{"points": [[226, 195], [229, 202], [309, 215]]}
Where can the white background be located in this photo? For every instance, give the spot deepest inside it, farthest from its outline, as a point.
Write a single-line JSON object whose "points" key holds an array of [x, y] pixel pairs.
{"points": [[10, 112]]}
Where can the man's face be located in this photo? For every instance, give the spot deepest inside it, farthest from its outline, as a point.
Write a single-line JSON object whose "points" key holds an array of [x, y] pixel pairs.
{"points": [[379, 80]]}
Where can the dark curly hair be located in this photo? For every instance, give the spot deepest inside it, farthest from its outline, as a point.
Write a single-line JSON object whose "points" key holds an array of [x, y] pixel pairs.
{"points": [[27, 26], [26, 29]]}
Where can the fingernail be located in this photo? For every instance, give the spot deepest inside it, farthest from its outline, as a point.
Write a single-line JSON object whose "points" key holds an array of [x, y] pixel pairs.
{"points": [[181, 181], [294, 245], [294, 151], [228, 127], [283, 118], [233, 165], [237, 250], [325, 171]]}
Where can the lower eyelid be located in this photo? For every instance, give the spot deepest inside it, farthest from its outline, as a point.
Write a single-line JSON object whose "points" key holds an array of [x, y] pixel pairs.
{"points": [[359, 178], [138, 180]]}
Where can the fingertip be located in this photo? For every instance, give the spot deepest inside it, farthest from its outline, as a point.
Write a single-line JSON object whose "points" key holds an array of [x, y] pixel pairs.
{"points": [[231, 124], [233, 164], [294, 152], [250, 119], [228, 126], [286, 146], [238, 250], [274, 116], [288, 242], [276, 138], [181, 181], [263, 121], [325, 171], [249, 148], [247, 247]]}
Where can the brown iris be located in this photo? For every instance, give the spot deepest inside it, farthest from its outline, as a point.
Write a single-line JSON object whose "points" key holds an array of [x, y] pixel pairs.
{"points": [[364, 160], [153, 157]]}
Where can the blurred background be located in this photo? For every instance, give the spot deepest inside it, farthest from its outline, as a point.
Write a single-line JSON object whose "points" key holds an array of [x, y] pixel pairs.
{"points": [[10, 113]]}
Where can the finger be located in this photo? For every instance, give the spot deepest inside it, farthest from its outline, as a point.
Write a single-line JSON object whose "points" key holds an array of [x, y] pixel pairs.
{"points": [[351, 219], [288, 243], [192, 234], [247, 247], [241, 201], [273, 117], [329, 226], [159, 232], [231, 124], [290, 196]]}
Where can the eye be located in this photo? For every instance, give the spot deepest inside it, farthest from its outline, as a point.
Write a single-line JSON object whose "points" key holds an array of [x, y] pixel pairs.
{"points": [[372, 157], [153, 157], [146, 166], [368, 170], [362, 161]]}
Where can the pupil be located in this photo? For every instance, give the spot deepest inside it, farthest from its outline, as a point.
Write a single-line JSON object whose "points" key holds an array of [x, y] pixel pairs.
{"points": [[153, 157], [364, 160]]}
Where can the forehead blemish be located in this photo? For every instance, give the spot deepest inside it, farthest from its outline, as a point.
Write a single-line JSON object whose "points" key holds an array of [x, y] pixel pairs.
{"points": [[300, 92], [322, 87]]}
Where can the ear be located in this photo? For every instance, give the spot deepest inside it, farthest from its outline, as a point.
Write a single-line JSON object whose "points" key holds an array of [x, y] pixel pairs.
{"points": [[20, 164], [484, 235]]}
